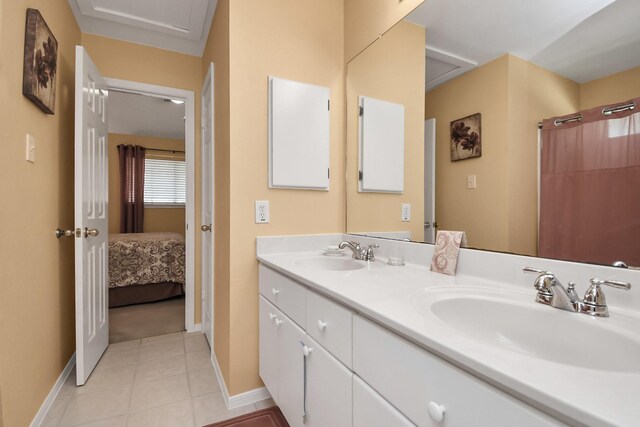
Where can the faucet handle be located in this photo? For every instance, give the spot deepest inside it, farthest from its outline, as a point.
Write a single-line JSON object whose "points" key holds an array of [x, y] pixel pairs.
{"points": [[613, 283], [535, 270], [594, 299]]}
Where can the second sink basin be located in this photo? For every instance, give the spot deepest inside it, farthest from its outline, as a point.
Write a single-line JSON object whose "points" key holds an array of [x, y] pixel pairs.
{"points": [[539, 331]]}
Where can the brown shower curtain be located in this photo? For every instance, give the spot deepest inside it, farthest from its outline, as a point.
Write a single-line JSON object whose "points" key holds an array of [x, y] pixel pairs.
{"points": [[131, 188], [590, 187]]}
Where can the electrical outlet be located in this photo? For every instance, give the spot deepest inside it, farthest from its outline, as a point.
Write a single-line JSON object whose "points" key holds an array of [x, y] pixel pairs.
{"points": [[262, 211], [471, 181], [31, 149], [406, 212]]}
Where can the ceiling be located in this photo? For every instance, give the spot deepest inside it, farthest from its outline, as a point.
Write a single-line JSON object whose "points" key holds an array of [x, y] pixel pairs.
{"points": [[579, 39], [142, 115], [177, 25]]}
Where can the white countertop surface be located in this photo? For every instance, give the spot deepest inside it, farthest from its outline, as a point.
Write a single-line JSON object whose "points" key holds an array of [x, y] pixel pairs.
{"points": [[392, 297]]}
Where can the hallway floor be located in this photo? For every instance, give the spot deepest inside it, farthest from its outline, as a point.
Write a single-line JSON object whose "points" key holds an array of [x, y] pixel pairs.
{"points": [[159, 381]]}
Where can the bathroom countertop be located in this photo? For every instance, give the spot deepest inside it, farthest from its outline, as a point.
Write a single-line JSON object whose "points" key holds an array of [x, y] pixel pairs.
{"points": [[388, 295]]}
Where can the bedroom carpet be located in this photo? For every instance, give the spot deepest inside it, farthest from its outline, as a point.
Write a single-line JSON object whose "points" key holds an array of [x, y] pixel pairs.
{"points": [[146, 320], [271, 417]]}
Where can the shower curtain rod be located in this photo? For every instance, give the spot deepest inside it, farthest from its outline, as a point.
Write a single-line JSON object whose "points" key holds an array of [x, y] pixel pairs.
{"points": [[605, 111]]}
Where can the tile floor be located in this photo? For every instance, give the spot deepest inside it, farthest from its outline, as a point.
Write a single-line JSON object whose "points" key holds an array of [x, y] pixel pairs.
{"points": [[159, 381]]}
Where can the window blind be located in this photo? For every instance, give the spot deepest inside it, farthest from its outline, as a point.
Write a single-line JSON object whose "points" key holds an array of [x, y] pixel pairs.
{"points": [[165, 182]]}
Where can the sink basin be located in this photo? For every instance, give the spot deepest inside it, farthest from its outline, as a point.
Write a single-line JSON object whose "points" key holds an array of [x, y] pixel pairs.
{"points": [[540, 331], [336, 264]]}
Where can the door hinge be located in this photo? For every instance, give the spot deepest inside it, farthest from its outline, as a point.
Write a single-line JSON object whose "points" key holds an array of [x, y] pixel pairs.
{"points": [[359, 175], [361, 111]]}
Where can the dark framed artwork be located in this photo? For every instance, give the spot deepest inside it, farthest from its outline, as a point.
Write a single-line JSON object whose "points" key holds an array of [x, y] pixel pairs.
{"points": [[466, 138], [40, 63]]}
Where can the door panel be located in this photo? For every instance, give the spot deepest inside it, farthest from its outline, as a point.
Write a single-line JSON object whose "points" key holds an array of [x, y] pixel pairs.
{"points": [[207, 207], [91, 207], [291, 340], [268, 345]]}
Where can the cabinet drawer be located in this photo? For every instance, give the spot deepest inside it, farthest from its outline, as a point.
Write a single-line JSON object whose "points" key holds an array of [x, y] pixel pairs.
{"points": [[284, 293], [330, 324], [371, 410], [410, 378]]}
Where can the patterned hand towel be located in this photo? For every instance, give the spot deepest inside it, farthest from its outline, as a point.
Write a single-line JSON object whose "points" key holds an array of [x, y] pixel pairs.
{"points": [[445, 254]]}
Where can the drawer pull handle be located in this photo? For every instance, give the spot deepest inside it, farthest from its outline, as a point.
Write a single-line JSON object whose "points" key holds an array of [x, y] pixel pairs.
{"points": [[322, 325], [278, 322], [436, 411], [275, 292]]}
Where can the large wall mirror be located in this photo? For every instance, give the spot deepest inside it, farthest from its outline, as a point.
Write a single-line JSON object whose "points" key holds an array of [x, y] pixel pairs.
{"points": [[499, 68]]}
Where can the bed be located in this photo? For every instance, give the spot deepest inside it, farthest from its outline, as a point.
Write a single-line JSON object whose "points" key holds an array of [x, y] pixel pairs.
{"points": [[145, 267]]}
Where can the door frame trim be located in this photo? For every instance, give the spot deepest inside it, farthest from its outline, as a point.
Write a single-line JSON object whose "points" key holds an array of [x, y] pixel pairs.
{"points": [[188, 97]]}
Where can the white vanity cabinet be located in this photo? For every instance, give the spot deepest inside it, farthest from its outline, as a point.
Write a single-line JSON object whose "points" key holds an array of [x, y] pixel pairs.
{"points": [[344, 370], [311, 386], [430, 391]]}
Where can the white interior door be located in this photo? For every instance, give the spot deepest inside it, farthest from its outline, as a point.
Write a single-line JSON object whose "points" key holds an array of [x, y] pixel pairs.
{"points": [[91, 221], [430, 181], [207, 206]]}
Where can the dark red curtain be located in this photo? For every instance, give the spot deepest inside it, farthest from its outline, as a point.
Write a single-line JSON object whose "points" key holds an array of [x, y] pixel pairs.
{"points": [[590, 187], [131, 188]]}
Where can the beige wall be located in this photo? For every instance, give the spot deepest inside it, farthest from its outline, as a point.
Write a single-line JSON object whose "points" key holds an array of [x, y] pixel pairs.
{"points": [[299, 41], [366, 20], [483, 90], [37, 275], [217, 51], [611, 89], [128, 61], [392, 69], [512, 95], [155, 219]]}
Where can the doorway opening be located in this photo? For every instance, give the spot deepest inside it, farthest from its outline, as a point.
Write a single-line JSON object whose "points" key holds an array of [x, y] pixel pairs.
{"points": [[151, 271]]}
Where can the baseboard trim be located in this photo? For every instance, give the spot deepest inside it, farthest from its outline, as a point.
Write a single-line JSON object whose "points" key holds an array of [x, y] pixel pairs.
{"points": [[235, 401], [196, 328], [48, 402]]}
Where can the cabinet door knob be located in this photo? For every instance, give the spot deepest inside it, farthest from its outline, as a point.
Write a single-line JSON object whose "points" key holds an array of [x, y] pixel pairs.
{"points": [[321, 325], [436, 411], [272, 316], [275, 292], [306, 350], [278, 322]]}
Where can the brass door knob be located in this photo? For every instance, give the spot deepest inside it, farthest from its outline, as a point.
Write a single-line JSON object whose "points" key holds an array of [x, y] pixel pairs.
{"points": [[206, 227], [93, 232]]}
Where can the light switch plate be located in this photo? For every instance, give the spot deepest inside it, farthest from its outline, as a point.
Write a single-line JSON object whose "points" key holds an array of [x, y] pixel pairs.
{"points": [[262, 212], [471, 181], [406, 212], [30, 149]]}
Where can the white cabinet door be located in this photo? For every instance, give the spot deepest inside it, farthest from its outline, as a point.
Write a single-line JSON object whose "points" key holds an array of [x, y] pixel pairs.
{"points": [[291, 341], [269, 318], [329, 389], [372, 410]]}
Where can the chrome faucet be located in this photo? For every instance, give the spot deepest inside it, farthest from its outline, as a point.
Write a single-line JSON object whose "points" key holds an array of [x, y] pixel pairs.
{"points": [[360, 253], [551, 292]]}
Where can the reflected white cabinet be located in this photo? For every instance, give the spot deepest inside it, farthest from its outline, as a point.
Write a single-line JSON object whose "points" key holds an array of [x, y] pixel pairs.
{"points": [[381, 146]]}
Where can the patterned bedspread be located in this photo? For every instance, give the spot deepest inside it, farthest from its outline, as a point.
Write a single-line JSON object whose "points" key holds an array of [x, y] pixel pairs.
{"points": [[145, 258]]}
